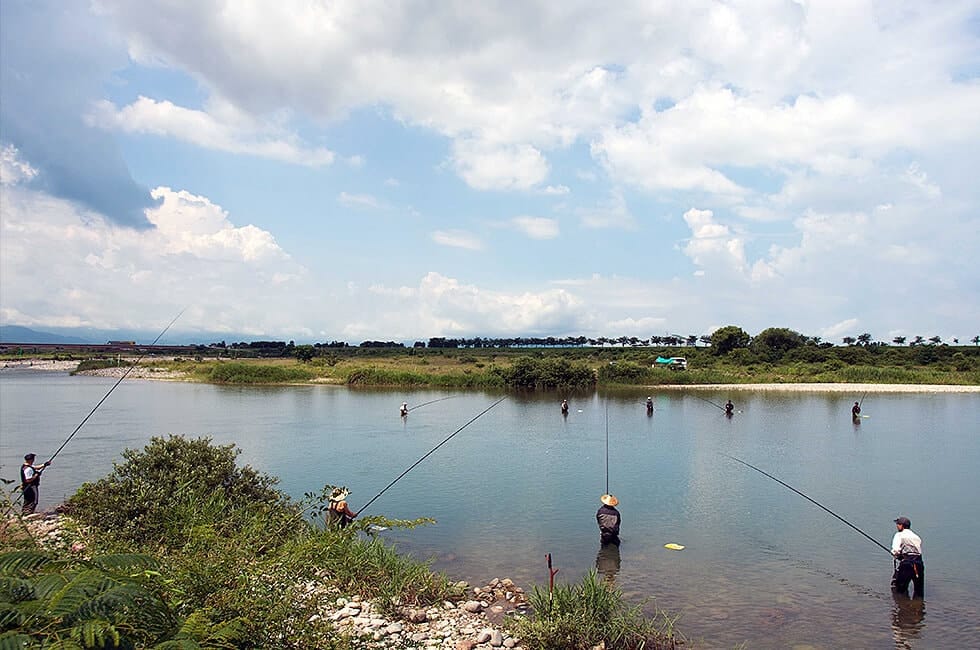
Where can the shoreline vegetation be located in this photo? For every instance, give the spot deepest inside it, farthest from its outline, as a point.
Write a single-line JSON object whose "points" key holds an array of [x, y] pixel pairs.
{"points": [[803, 368], [181, 548]]}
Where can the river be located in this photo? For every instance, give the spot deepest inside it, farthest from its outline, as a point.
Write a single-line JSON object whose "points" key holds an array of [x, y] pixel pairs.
{"points": [[761, 565]]}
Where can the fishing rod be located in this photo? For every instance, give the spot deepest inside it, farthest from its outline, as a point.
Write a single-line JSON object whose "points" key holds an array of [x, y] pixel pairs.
{"points": [[119, 381], [712, 403], [607, 448], [886, 549], [432, 402], [430, 452]]}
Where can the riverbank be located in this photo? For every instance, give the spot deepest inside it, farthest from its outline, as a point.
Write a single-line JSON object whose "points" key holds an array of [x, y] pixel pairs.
{"points": [[166, 370], [473, 622]]}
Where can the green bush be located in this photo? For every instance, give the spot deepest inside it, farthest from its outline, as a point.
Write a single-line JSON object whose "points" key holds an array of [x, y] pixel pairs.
{"points": [[139, 500], [547, 372], [246, 373]]}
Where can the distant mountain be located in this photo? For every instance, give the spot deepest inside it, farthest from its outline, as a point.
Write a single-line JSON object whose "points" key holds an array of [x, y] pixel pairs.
{"points": [[18, 334]]}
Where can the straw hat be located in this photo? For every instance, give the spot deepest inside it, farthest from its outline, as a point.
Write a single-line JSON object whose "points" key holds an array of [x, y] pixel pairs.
{"points": [[609, 500], [339, 494]]}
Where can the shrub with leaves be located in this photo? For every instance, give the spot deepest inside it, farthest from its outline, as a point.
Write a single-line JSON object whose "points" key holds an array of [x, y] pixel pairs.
{"points": [[139, 501]]}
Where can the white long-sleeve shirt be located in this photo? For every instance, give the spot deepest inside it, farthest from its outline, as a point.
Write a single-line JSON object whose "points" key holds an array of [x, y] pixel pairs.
{"points": [[905, 542]]}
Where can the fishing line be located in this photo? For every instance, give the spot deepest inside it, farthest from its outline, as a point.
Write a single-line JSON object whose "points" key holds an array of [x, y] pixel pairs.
{"points": [[119, 381], [431, 451], [887, 550], [432, 402], [710, 402]]}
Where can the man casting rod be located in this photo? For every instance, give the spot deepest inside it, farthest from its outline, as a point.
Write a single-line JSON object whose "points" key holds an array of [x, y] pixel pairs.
{"points": [[886, 549], [119, 381], [416, 463]]}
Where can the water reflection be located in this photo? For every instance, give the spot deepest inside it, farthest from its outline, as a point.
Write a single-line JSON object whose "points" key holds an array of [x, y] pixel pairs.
{"points": [[607, 562], [907, 616]]}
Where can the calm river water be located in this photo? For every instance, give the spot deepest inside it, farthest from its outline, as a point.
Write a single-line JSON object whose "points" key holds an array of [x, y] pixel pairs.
{"points": [[762, 566]]}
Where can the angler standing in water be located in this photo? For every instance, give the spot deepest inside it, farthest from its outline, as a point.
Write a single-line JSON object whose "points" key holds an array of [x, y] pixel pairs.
{"points": [[907, 549], [564, 407], [856, 411], [729, 408], [404, 409], [608, 519], [339, 514], [30, 481]]}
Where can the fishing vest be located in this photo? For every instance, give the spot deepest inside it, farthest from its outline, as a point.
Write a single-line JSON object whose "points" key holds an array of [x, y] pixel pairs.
{"points": [[26, 482]]}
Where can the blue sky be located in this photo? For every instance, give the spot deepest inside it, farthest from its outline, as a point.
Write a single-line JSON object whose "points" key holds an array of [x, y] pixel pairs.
{"points": [[373, 170]]}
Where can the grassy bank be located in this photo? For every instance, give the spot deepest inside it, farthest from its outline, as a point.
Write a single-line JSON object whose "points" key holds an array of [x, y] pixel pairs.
{"points": [[181, 548], [583, 368]]}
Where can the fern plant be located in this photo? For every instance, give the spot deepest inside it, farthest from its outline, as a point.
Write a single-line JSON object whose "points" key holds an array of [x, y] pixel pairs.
{"points": [[106, 602]]}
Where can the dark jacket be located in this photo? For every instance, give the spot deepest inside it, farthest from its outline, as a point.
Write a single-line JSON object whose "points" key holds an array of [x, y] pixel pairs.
{"points": [[608, 519]]}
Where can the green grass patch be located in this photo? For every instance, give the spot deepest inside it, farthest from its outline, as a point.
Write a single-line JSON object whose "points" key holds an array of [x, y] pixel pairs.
{"points": [[588, 615], [246, 373]]}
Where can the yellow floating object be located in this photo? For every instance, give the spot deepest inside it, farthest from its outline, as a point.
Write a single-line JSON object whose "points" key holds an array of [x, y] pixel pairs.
{"points": [[674, 547]]}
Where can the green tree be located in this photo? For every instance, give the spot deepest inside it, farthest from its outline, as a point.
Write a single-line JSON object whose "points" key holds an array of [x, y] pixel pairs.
{"points": [[975, 340], [774, 342], [899, 340], [864, 339], [304, 352], [935, 340], [848, 340], [728, 338]]}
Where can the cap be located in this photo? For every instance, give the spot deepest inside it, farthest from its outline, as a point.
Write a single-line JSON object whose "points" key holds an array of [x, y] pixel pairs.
{"points": [[904, 521], [609, 500], [30, 456]]}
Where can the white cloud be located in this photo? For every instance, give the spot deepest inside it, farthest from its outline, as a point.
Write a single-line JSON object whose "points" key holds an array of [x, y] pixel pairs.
{"points": [[457, 239], [834, 332], [229, 130], [537, 227], [609, 213], [62, 267], [490, 167], [712, 245], [13, 170], [359, 201], [556, 190]]}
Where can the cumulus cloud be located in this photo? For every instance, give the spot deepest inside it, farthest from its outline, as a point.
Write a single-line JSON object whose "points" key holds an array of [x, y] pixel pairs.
{"points": [[712, 245], [235, 133], [489, 167], [98, 274]]}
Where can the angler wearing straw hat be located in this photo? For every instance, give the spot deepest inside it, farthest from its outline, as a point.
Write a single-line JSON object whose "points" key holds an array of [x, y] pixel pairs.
{"points": [[907, 549], [608, 519], [339, 515], [30, 481], [404, 409]]}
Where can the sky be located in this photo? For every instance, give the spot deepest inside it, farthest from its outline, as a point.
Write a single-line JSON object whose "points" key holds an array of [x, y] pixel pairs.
{"points": [[316, 170]]}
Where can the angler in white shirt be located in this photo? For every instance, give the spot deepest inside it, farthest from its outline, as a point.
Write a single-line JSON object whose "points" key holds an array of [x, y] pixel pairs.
{"points": [[907, 549]]}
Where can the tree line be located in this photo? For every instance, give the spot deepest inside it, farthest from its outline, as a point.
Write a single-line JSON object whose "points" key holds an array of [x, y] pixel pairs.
{"points": [[721, 341]]}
